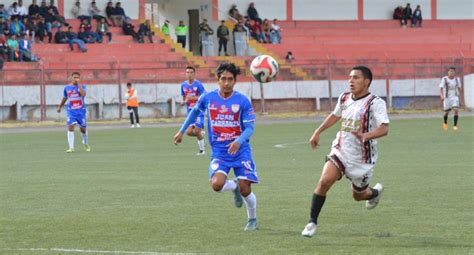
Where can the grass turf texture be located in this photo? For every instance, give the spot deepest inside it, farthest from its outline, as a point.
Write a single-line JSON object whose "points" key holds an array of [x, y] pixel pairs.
{"points": [[136, 191]]}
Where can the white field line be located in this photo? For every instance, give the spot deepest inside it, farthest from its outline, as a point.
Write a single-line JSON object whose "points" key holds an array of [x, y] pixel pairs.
{"points": [[285, 145], [65, 250]]}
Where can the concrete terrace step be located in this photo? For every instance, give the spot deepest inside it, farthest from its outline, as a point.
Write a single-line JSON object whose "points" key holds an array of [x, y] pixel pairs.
{"points": [[104, 47]]}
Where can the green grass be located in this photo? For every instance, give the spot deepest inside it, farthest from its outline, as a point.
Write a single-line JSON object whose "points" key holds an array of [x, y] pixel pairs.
{"points": [[136, 191]]}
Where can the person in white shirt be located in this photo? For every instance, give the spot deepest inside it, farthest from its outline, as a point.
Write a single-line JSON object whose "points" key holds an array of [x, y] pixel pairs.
{"points": [[449, 90], [80, 13], [363, 118]]}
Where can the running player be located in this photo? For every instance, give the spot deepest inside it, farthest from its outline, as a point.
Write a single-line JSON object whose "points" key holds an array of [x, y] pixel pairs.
{"points": [[74, 95], [363, 119], [450, 89], [191, 89], [230, 124]]}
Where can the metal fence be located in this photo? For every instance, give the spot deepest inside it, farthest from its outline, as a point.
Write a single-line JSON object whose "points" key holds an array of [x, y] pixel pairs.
{"points": [[34, 94]]}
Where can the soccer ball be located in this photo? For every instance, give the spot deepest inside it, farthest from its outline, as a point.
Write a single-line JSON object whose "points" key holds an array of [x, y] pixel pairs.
{"points": [[264, 68]]}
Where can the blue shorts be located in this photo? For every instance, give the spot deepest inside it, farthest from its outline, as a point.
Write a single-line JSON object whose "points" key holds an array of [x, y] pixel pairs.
{"points": [[80, 120], [199, 123], [244, 168]]}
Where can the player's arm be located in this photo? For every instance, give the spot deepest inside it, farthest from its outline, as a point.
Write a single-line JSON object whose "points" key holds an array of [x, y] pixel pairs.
{"points": [[63, 101], [330, 120], [192, 116], [82, 91], [380, 131], [441, 94], [248, 132]]}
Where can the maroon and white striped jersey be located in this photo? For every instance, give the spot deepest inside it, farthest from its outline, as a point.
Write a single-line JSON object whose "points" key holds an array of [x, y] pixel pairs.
{"points": [[364, 114]]}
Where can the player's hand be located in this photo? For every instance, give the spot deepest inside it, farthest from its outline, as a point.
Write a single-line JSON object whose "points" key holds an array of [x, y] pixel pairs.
{"points": [[314, 140], [58, 109], [361, 136], [178, 138], [233, 148]]}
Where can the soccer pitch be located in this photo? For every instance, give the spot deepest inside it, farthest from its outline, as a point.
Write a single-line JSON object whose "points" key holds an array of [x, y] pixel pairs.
{"points": [[138, 193]]}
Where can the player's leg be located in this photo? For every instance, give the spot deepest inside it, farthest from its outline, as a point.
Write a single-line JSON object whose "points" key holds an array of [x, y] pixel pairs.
{"points": [[447, 108], [70, 136], [190, 131], [246, 173], [130, 112], [456, 116], [218, 172], [331, 173], [137, 118], [198, 127], [85, 135]]}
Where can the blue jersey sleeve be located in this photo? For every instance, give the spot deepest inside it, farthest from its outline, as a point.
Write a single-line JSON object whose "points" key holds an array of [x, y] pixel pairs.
{"points": [[182, 91], [65, 92], [248, 115], [201, 89], [201, 104]]}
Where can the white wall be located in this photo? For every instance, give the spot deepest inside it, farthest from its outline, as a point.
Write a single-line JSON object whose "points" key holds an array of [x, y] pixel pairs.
{"points": [[459, 9], [325, 10], [469, 90], [267, 9], [383, 9]]}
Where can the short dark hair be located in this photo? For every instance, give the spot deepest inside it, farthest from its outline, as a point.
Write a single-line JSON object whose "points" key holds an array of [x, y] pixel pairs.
{"points": [[229, 67], [76, 73], [365, 72], [129, 84], [191, 67], [452, 68]]}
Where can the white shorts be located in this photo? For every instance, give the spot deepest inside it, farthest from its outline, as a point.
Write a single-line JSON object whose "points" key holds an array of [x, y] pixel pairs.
{"points": [[450, 102], [360, 174]]}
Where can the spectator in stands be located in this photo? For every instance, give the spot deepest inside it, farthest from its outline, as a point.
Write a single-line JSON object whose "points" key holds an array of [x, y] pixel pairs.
{"points": [[14, 49], [16, 26], [110, 11], [118, 15], [88, 30], [72, 38], [253, 13], [13, 11], [53, 10], [407, 14], [234, 13], [25, 49], [257, 31], [22, 9], [94, 12], [145, 30], [266, 30], [3, 26], [41, 30], [223, 34], [60, 37], [181, 31], [80, 13], [51, 21], [129, 29], [30, 28], [4, 12], [33, 9], [4, 50], [86, 36], [398, 15], [417, 18], [275, 32], [289, 57], [103, 29]]}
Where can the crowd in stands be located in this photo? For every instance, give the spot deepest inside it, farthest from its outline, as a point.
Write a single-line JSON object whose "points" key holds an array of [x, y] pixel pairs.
{"points": [[405, 14]]}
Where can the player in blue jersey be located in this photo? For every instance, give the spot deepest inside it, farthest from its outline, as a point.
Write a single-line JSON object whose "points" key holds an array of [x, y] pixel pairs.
{"points": [[74, 94], [230, 125], [191, 89]]}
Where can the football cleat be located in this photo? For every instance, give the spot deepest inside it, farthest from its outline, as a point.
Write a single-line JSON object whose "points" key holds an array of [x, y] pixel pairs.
{"points": [[138, 125], [132, 126], [455, 128], [251, 225], [201, 153], [445, 127], [88, 148], [372, 203], [70, 150], [309, 230], [238, 200]]}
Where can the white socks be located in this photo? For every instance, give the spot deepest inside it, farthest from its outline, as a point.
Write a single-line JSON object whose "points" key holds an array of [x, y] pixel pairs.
{"points": [[202, 146], [229, 186], [70, 139], [251, 203], [85, 138]]}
